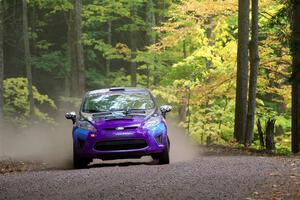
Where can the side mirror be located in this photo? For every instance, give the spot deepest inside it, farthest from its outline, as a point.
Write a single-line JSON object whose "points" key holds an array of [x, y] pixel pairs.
{"points": [[165, 109], [72, 116]]}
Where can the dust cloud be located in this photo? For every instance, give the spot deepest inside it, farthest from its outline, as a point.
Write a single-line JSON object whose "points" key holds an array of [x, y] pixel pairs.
{"points": [[53, 145], [39, 143], [182, 147]]}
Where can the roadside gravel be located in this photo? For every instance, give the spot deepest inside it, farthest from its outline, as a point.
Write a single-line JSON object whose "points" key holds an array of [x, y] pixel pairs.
{"points": [[206, 177]]}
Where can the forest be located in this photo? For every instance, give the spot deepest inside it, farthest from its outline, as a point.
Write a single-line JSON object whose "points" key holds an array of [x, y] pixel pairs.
{"points": [[229, 68]]}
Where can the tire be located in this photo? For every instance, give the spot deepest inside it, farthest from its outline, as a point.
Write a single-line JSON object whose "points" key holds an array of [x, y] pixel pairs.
{"points": [[164, 158], [155, 156], [79, 162]]}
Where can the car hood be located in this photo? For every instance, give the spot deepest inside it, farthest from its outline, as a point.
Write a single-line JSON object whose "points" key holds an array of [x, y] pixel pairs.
{"points": [[118, 120]]}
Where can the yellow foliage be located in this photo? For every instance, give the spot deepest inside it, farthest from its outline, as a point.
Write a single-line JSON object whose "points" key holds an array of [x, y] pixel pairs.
{"points": [[16, 103]]}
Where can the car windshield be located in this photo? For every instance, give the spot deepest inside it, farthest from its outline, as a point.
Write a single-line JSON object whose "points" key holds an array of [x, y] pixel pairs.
{"points": [[118, 101]]}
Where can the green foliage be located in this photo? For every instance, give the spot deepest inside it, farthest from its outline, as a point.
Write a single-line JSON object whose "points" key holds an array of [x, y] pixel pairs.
{"points": [[119, 78], [94, 79], [209, 67], [54, 5], [185, 52], [54, 62], [73, 101], [16, 105]]}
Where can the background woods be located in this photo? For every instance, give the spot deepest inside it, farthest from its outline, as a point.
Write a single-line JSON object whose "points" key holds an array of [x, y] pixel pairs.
{"points": [[192, 54]]}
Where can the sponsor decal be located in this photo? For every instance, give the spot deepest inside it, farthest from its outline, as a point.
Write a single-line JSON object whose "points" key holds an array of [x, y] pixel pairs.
{"points": [[123, 134]]}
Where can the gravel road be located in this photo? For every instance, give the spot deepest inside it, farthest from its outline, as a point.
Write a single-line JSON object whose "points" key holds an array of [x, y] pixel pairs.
{"points": [[191, 175], [211, 177]]}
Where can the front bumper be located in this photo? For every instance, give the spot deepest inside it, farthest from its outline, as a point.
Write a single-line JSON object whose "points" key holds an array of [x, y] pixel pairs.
{"points": [[85, 142]]}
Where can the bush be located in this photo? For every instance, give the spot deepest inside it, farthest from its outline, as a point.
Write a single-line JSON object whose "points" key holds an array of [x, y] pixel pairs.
{"points": [[16, 103]]}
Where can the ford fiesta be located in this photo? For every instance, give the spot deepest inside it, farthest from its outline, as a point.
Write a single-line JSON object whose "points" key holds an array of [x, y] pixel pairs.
{"points": [[119, 123]]}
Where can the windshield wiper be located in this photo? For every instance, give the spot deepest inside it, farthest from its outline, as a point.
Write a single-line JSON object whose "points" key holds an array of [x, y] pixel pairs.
{"points": [[127, 111], [137, 111], [98, 112], [111, 112]]}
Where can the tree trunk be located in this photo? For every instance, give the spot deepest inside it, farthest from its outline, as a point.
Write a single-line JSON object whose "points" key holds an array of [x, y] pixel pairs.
{"points": [[73, 74], [183, 107], [224, 111], [27, 56], [133, 69], [254, 64], [209, 30], [1, 62], [75, 48], [79, 48], [184, 54], [188, 112], [33, 29], [270, 142], [109, 42], [2, 150], [155, 77], [67, 86], [156, 19], [151, 19], [296, 76], [148, 76], [242, 72], [67, 83], [260, 134]]}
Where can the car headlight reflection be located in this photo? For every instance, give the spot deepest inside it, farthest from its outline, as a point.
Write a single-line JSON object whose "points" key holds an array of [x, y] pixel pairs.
{"points": [[86, 125], [153, 121]]}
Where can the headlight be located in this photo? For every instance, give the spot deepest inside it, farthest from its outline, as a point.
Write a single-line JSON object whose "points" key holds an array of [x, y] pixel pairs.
{"points": [[153, 121], [86, 125]]}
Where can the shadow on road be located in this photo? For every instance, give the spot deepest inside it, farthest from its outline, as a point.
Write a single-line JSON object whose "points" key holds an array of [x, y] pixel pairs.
{"points": [[122, 163]]}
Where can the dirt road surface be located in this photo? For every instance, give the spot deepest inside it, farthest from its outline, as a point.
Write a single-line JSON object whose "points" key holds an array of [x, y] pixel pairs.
{"points": [[191, 175]]}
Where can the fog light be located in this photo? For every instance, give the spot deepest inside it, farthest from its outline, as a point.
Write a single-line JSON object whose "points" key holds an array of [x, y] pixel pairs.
{"points": [[93, 135]]}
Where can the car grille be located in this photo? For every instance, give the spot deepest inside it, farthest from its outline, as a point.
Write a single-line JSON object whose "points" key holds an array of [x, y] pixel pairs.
{"points": [[124, 128], [120, 145]]}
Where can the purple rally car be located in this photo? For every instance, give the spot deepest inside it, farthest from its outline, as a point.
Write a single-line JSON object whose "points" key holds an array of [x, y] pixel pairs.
{"points": [[119, 123]]}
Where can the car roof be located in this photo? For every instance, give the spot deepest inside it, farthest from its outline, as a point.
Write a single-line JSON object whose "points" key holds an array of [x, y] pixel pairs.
{"points": [[116, 89]]}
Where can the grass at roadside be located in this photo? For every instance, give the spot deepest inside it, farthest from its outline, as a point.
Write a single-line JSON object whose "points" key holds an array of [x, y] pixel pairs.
{"points": [[216, 149]]}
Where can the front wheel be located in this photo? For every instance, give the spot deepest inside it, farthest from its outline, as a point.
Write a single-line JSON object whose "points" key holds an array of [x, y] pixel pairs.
{"points": [[79, 162], [164, 158]]}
